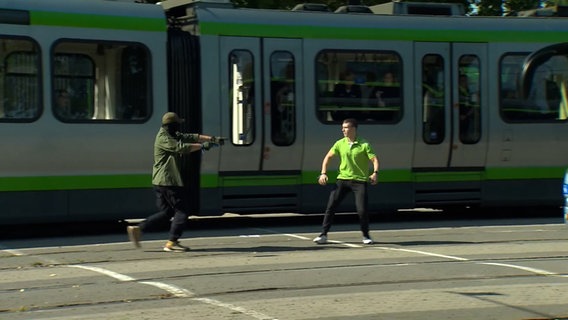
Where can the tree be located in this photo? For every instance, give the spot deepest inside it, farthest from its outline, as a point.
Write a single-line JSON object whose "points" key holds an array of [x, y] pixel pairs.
{"points": [[489, 7], [513, 6]]}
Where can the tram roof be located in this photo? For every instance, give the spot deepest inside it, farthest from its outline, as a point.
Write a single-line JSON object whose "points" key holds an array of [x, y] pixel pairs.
{"points": [[322, 25], [216, 19], [104, 14]]}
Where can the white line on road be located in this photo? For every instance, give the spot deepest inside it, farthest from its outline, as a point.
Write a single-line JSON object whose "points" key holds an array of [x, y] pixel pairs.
{"points": [[330, 241], [180, 292], [426, 253], [252, 313], [174, 290], [106, 272], [177, 292], [14, 252], [533, 270]]}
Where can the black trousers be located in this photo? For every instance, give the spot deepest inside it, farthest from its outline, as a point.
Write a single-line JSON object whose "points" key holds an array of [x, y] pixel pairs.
{"points": [[172, 204], [342, 188]]}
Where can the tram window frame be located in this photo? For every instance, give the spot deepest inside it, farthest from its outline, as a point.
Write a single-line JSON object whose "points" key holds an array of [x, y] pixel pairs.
{"points": [[113, 89], [243, 129], [433, 92], [513, 108], [32, 107], [283, 98], [469, 98], [337, 69]]}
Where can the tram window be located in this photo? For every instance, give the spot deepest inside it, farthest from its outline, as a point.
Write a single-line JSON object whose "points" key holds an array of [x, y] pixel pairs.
{"points": [[282, 88], [241, 88], [20, 80], [364, 85], [469, 91], [546, 99], [100, 82], [74, 83], [433, 102]]}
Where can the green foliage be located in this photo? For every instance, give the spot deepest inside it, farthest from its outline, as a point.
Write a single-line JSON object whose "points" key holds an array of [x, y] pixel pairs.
{"points": [[520, 5], [490, 8]]}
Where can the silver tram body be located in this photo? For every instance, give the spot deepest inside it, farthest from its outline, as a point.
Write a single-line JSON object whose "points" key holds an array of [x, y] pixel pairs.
{"points": [[265, 79]]}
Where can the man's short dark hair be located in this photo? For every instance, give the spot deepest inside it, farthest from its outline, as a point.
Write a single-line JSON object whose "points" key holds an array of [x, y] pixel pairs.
{"points": [[352, 122]]}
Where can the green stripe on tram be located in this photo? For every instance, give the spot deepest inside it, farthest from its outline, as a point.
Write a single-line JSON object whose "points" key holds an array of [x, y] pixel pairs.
{"points": [[357, 33], [492, 174], [524, 173], [78, 20], [53, 183], [421, 177]]}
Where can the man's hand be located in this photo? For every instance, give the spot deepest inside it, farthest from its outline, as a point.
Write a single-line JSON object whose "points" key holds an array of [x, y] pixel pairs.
{"points": [[374, 178], [207, 145], [218, 140], [322, 180]]}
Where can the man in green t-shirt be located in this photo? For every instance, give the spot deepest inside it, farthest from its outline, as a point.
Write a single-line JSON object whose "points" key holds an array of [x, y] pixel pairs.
{"points": [[354, 153], [172, 198]]}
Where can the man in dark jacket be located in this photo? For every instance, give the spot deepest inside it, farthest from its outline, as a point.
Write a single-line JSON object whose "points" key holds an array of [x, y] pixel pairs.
{"points": [[172, 198]]}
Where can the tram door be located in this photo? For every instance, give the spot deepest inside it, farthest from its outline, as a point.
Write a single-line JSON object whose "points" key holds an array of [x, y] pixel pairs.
{"points": [[451, 106], [260, 164], [263, 87], [241, 111], [282, 91]]}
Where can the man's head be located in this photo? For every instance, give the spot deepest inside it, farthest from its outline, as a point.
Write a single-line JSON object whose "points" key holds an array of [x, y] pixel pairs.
{"points": [[388, 78], [171, 122], [171, 117], [63, 98], [349, 128]]}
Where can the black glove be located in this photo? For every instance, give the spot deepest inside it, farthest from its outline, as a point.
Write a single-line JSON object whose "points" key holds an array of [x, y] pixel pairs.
{"points": [[207, 145], [218, 140]]}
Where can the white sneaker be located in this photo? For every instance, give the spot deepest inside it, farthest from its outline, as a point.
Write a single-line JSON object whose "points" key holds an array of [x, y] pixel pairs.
{"points": [[368, 240], [320, 239]]}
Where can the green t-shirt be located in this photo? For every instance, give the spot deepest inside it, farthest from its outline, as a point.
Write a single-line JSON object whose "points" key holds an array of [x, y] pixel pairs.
{"points": [[354, 158]]}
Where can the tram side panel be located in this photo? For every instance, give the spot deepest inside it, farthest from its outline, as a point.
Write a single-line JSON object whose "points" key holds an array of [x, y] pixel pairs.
{"points": [[527, 150], [95, 168]]}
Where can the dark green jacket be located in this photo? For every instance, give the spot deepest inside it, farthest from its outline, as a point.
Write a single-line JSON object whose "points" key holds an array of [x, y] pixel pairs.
{"points": [[168, 152]]}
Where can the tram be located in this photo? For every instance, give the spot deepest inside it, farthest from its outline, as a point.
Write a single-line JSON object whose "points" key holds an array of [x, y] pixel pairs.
{"points": [[444, 100]]}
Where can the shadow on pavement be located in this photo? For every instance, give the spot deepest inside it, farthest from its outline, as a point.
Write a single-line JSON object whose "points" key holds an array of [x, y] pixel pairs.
{"points": [[403, 219]]}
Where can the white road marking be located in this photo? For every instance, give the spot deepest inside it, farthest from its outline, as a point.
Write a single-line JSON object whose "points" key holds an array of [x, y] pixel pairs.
{"points": [[533, 270], [426, 253], [174, 290], [252, 313], [106, 272], [180, 292], [506, 265], [14, 252], [291, 235]]}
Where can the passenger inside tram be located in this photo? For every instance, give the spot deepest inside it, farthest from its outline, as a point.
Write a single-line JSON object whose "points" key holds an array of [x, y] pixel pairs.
{"points": [[347, 95]]}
